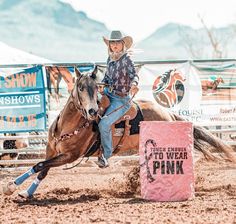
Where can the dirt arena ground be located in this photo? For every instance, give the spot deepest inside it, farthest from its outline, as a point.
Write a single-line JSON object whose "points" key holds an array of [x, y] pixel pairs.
{"points": [[90, 195]]}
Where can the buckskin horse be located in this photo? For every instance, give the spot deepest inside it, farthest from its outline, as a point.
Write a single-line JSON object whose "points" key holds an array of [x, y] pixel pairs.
{"points": [[73, 134], [54, 76]]}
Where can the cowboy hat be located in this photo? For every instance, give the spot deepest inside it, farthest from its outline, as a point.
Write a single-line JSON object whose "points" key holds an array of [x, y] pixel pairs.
{"points": [[116, 35]]}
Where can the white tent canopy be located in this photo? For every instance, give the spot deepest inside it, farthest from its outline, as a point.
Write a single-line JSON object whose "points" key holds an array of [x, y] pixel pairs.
{"points": [[10, 55]]}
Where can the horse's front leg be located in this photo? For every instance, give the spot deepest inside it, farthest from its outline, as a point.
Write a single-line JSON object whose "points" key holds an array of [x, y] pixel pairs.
{"points": [[33, 187], [42, 167]]}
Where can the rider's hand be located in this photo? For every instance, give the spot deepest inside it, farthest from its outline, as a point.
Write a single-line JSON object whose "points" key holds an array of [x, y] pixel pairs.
{"points": [[134, 89], [101, 89]]}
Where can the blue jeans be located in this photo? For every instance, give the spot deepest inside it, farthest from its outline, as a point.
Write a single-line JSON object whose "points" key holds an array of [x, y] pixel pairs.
{"points": [[106, 122]]}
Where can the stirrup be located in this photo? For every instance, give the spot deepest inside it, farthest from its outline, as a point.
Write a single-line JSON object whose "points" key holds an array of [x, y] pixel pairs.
{"points": [[102, 162]]}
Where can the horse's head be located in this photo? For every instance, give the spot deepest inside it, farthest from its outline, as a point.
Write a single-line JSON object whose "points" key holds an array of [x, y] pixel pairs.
{"points": [[168, 80], [85, 94], [177, 75]]}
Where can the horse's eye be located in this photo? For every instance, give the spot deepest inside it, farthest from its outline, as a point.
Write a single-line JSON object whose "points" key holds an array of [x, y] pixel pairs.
{"points": [[81, 89]]}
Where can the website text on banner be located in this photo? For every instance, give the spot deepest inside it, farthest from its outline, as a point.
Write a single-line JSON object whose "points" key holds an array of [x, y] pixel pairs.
{"points": [[22, 100], [204, 93]]}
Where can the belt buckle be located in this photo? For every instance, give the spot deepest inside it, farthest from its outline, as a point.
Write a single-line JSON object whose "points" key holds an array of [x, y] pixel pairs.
{"points": [[121, 94], [110, 89]]}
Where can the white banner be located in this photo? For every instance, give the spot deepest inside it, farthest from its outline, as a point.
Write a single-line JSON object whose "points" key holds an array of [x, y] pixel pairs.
{"points": [[182, 88]]}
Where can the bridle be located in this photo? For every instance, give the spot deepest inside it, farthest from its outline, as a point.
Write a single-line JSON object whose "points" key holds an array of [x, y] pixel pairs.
{"points": [[78, 105], [77, 101], [118, 108]]}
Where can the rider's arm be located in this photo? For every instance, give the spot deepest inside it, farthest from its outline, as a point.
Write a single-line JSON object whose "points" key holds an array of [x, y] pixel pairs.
{"points": [[106, 79], [131, 71]]}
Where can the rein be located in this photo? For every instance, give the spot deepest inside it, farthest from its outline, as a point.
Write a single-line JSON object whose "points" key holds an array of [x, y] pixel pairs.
{"points": [[76, 131], [78, 106], [118, 108]]}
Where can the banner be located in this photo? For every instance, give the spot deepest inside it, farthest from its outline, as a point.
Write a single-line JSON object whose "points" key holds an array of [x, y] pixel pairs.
{"points": [[22, 100], [204, 93], [218, 102]]}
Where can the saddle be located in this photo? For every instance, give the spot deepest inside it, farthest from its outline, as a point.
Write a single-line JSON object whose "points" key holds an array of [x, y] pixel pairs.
{"points": [[126, 126], [122, 129], [122, 126], [128, 123]]}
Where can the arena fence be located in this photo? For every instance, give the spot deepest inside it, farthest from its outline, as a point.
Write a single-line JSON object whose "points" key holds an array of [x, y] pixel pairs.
{"points": [[37, 141], [37, 147]]}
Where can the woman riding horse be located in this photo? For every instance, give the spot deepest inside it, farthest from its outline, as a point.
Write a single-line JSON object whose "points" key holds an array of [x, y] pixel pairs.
{"points": [[212, 83], [122, 78]]}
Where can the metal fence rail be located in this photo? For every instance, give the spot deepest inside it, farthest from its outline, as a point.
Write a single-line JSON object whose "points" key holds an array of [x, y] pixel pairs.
{"points": [[40, 150], [92, 159], [23, 137]]}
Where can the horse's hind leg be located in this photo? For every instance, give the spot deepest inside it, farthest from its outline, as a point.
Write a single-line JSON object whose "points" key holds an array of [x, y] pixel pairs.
{"points": [[43, 168]]}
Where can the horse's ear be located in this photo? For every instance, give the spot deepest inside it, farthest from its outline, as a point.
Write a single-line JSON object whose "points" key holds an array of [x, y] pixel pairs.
{"points": [[77, 72], [94, 73]]}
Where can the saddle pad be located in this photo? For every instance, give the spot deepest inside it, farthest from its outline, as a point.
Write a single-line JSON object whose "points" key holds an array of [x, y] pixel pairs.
{"points": [[166, 160]]}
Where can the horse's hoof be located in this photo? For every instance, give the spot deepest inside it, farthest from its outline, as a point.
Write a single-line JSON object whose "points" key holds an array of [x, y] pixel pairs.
{"points": [[9, 189], [24, 194]]}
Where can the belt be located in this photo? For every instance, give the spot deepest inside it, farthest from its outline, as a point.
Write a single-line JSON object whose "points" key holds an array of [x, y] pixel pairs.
{"points": [[118, 93]]}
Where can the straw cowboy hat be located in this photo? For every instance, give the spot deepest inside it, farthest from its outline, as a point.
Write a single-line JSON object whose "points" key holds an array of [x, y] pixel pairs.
{"points": [[116, 35]]}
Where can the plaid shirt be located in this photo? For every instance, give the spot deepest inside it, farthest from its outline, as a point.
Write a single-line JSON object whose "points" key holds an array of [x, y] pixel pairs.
{"points": [[120, 74]]}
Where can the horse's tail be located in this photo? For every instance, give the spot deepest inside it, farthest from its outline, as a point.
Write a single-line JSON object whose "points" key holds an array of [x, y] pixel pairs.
{"points": [[203, 139]]}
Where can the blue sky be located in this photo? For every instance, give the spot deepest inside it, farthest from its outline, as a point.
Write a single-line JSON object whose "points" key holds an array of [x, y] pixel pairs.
{"points": [[140, 18]]}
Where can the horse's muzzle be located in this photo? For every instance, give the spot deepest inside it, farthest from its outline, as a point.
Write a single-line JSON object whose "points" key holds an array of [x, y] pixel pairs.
{"points": [[92, 112]]}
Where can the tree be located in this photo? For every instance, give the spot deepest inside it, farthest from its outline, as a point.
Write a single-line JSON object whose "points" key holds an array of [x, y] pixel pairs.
{"points": [[215, 42], [198, 46]]}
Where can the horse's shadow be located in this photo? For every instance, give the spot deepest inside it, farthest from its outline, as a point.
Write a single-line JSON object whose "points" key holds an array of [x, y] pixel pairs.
{"points": [[136, 201], [60, 199], [66, 196], [54, 201]]}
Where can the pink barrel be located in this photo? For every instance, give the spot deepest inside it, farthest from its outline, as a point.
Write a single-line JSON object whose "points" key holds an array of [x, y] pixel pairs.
{"points": [[166, 160]]}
